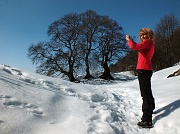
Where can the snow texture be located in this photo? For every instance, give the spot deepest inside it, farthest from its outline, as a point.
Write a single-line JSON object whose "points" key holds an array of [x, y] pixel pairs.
{"points": [[36, 104]]}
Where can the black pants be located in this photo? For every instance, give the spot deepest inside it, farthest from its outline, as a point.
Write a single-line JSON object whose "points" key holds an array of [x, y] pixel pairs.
{"points": [[144, 77]]}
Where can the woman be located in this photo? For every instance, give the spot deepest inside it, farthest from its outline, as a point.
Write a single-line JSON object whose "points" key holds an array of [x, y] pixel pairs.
{"points": [[144, 69]]}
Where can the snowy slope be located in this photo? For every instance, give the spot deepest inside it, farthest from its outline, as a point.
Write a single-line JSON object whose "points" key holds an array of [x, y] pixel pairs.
{"points": [[36, 104]]}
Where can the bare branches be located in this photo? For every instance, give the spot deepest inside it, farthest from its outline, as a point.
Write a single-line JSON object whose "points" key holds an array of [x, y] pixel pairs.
{"points": [[79, 42], [166, 34]]}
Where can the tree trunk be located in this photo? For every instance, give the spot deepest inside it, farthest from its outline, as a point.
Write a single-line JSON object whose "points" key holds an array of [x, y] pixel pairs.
{"points": [[88, 75], [106, 74], [71, 71], [71, 76]]}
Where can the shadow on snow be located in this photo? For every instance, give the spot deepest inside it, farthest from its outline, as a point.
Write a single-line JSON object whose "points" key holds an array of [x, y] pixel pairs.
{"points": [[166, 110]]}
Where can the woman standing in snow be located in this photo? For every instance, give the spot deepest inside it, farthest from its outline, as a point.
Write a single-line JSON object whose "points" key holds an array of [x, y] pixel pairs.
{"points": [[144, 67]]}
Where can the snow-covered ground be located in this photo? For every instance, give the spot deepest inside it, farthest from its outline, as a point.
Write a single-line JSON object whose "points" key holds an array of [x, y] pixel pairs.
{"points": [[36, 104]]}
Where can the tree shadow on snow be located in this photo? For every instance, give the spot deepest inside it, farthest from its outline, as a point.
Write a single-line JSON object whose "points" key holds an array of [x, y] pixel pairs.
{"points": [[166, 110]]}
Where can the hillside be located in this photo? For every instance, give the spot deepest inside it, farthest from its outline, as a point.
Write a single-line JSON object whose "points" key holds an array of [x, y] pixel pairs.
{"points": [[36, 104]]}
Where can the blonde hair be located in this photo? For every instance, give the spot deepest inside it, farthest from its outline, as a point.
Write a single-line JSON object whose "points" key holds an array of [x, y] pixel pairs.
{"points": [[148, 32]]}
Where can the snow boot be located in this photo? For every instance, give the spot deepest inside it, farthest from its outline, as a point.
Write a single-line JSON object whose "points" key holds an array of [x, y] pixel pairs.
{"points": [[145, 124]]}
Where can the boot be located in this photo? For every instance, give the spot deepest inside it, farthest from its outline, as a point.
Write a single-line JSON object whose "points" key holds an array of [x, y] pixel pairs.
{"points": [[145, 124]]}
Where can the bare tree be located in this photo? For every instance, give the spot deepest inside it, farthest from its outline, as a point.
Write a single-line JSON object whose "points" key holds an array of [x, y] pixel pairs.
{"points": [[62, 54], [112, 45], [90, 23], [77, 40], [165, 41]]}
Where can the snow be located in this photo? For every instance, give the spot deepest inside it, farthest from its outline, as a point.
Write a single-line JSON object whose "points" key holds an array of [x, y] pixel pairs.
{"points": [[36, 104]]}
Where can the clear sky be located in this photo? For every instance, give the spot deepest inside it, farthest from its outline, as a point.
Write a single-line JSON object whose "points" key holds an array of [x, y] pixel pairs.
{"points": [[24, 22]]}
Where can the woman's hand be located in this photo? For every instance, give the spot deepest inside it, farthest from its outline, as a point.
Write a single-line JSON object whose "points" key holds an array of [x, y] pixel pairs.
{"points": [[128, 37]]}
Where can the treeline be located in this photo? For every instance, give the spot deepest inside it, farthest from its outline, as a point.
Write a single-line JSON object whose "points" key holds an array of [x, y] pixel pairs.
{"points": [[167, 47], [79, 44]]}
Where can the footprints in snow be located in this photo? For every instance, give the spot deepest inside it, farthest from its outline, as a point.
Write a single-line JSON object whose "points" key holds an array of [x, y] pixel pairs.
{"points": [[112, 113], [11, 102], [110, 108], [86, 96]]}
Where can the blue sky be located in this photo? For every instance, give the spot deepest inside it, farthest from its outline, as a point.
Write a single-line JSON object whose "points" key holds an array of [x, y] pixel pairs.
{"points": [[24, 22]]}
